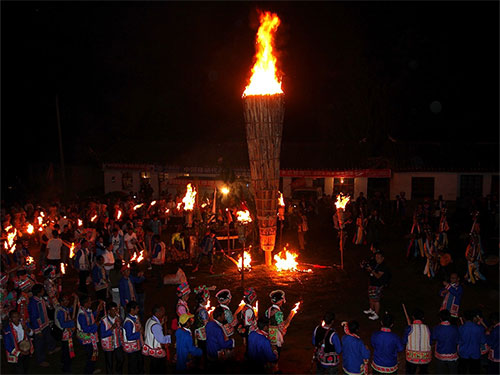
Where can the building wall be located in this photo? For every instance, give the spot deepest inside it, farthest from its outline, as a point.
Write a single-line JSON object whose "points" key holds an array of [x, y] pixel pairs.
{"points": [[360, 185], [328, 186], [109, 185], [445, 184]]}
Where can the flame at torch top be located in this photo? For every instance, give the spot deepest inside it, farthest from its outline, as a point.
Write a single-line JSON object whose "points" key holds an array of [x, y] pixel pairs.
{"points": [[296, 308], [30, 229], [281, 201], [244, 217], [72, 250], [189, 198], [342, 201], [264, 80]]}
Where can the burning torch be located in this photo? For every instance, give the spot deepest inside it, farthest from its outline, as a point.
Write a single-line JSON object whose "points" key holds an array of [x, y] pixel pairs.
{"points": [[243, 219], [263, 101], [340, 205]]}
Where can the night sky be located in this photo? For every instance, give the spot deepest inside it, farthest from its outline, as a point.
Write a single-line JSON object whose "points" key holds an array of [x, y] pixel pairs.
{"points": [[176, 71]]}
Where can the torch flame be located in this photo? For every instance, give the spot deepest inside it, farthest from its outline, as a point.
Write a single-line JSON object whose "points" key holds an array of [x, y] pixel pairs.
{"points": [[189, 198], [42, 214], [296, 307], [264, 80], [140, 258], [72, 250], [288, 263], [80, 222], [63, 268], [40, 220], [281, 201], [138, 206], [29, 260], [118, 214], [30, 229], [134, 257], [256, 308], [244, 217], [342, 201], [93, 218], [247, 259], [153, 203]]}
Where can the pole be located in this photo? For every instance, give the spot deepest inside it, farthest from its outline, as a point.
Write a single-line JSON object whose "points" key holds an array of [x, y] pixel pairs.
{"points": [[341, 249], [61, 153], [281, 234], [243, 264]]}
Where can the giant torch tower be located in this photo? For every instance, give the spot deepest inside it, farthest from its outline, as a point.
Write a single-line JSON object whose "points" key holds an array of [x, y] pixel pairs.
{"points": [[264, 111]]}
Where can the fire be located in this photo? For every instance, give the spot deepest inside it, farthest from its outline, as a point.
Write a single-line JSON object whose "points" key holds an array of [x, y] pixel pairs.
{"points": [[179, 205], [63, 268], [118, 214], [42, 214], [40, 220], [342, 201], [244, 217], [242, 304], [224, 190], [72, 250], [256, 308], [281, 201], [296, 308], [11, 237], [264, 80], [30, 229], [93, 218], [247, 259], [80, 222], [288, 263], [138, 206], [29, 260], [134, 257], [137, 258], [189, 198], [153, 203]]}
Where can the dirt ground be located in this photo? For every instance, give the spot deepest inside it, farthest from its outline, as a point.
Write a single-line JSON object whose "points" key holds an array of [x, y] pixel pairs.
{"points": [[324, 289]]}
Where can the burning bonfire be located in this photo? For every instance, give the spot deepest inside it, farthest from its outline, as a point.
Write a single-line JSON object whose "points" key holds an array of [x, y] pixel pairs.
{"points": [[287, 262], [247, 259], [244, 217], [189, 198]]}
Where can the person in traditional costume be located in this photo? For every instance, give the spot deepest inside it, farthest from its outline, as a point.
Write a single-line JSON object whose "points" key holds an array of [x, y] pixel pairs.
{"points": [[452, 295], [23, 285], [446, 337], [471, 337], [431, 254], [417, 338], [202, 316], [355, 355], [260, 353], [100, 280], [218, 344], [493, 341], [327, 347], [209, 245], [51, 286], [224, 298], [111, 332], [183, 292], [184, 343], [39, 323], [359, 235], [132, 339], [17, 342], [248, 318], [386, 346], [277, 323], [126, 287], [63, 320], [86, 326], [83, 262], [474, 255], [443, 229], [158, 254], [416, 245], [155, 340]]}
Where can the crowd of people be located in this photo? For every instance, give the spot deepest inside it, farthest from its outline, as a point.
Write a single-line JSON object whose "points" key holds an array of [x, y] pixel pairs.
{"points": [[113, 246]]}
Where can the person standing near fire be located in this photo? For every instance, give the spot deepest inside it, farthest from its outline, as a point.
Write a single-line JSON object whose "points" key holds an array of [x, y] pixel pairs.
{"points": [[277, 323]]}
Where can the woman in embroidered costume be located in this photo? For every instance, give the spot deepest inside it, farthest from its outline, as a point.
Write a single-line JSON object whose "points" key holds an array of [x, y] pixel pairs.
{"points": [[355, 355], [417, 338]]}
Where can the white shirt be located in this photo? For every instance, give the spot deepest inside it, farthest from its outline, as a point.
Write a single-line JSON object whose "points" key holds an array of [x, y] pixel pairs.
{"points": [[115, 240], [130, 240], [54, 248], [20, 331], [108, 258]]}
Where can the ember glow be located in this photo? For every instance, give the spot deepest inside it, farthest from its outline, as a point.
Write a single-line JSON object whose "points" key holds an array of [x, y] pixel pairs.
{"points": [[342, 201], [30, 229], [189, 198], [264, 80], [287, 263], [244, 217], [247, 259], [281, 201]]}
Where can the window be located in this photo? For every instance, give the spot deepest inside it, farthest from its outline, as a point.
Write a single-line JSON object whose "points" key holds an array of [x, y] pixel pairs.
{"points": [[422, 187], [471, 186], [127, 181], [344, 186]]}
